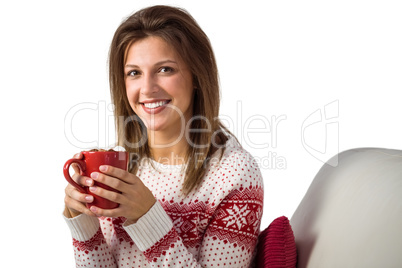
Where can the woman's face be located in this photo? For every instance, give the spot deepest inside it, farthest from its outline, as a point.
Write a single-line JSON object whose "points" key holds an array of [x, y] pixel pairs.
{"points": [[159, 85]]}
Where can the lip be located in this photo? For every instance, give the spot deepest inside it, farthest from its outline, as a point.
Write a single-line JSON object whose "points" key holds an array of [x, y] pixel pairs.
{"points": [[153, 100], [154, 110]]}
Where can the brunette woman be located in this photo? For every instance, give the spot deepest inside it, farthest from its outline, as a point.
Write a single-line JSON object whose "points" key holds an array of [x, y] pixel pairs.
{"points": [[192, 196]]}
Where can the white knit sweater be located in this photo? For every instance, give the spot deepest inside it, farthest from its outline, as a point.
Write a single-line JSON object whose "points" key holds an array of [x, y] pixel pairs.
{"points": [[216, 225]]}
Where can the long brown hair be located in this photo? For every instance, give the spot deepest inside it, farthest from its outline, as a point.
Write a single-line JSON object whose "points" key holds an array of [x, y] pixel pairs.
{"points": [[178, 28]]}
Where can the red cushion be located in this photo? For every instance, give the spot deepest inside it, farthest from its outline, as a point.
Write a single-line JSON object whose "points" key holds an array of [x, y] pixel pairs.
{"points": [[276, 246]]}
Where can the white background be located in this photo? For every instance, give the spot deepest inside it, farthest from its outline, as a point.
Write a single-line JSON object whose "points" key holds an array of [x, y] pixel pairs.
{"points": [[283, 59]]}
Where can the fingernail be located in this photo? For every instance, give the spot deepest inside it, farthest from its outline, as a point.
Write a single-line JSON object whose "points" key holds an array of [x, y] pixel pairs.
{"points": [[89, 198], [89, 182], [94, 175], [102, 168], [93, 209], [92, 188]]}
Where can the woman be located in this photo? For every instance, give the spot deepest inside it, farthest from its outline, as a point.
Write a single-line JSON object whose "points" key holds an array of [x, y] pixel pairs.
{"points": [[192, 196]]}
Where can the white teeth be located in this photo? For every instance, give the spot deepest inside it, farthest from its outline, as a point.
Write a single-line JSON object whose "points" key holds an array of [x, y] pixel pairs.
{"points": [[155, 104]]}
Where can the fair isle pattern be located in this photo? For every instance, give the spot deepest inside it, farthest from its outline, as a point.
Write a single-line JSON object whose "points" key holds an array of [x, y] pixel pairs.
{"points": [[215, 226], [93, 253], [121, 234], [237, 218], [189, 220], [161, 248], [92, 244]]}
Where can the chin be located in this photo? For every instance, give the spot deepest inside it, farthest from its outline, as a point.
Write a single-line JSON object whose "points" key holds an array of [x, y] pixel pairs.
{"points": [[154, 126]]}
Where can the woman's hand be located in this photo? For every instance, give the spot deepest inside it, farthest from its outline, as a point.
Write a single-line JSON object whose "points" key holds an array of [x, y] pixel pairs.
{"points": [[135, 198], [74, 200]]}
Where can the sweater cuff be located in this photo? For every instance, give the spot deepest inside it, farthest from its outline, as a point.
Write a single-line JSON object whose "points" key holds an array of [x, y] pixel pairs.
{"points": [[150, 228], [82, 227]]}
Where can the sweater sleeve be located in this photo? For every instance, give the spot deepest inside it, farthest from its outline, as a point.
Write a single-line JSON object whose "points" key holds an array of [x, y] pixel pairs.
{"points": [[90, 247], [228, 241]]}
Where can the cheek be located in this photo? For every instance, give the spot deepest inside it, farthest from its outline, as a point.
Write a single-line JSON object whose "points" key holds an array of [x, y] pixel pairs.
{"points": [[180, 88], [132, 94]]}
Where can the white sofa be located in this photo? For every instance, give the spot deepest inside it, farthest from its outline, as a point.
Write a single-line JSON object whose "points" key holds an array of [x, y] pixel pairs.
{"points": [[351, 215]]}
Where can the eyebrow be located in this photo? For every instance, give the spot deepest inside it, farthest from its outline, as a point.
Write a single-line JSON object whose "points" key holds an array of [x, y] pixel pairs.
{"points": [[158, 63]]}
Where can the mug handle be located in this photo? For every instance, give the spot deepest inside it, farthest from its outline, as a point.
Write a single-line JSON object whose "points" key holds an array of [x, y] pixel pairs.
{"points": [[66, 172]]}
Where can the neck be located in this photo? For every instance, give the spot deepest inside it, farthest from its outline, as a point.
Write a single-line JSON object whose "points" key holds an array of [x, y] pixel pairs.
{"points": [[168, 150]]}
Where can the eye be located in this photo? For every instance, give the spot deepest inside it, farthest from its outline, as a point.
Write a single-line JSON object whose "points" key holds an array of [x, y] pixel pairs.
{"points": [[133, 73], [166, 69]]}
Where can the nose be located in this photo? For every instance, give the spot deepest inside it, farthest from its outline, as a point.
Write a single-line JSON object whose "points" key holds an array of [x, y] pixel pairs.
{"points": [[149, 85]]}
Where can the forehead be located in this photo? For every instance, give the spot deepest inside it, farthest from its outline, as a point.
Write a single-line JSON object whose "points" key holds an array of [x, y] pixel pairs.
{"points": [[150, 49]]}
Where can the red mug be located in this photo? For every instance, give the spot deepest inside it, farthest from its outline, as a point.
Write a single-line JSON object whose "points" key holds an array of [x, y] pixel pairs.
{"points": [[91, 162]]}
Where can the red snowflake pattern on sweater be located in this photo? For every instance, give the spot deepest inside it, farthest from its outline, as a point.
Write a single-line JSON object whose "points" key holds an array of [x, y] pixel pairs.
{"points": [[236, 220], [189, 220]]}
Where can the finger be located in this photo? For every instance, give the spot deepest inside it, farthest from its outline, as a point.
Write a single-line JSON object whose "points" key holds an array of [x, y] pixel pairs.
{"points": [[118, 173], [73, 193], [109, 195], [78, 155], [113, 213], [75, 166], [77, 206], [110, 181], [83, 180], [73, 203]]}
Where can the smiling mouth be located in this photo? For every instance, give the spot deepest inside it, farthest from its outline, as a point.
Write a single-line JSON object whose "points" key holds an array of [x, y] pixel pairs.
{"points": [[152, 105]]}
